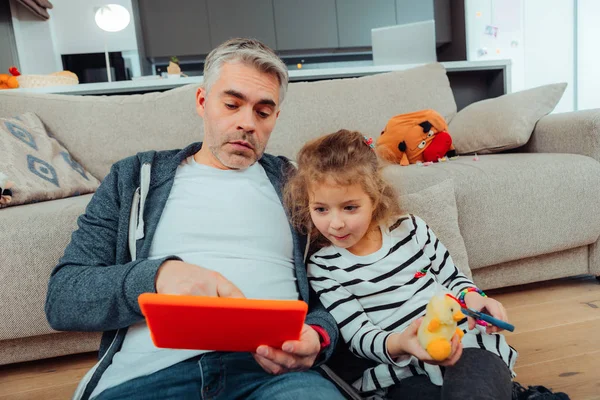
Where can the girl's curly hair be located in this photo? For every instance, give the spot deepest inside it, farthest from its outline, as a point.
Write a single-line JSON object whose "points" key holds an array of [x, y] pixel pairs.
{"points": [[345, 158]]}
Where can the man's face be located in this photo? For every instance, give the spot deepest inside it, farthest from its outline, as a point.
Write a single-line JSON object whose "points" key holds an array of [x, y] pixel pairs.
{"points": [[239, 114]]}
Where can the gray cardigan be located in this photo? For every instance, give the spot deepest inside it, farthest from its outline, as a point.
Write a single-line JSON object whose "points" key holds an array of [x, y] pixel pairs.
{"points": [[96, 284]]}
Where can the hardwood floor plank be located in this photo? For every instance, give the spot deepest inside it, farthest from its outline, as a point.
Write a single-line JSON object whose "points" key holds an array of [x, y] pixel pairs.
{"points": [[577, 376], [536, 317], [553, 344], [544, 292], [33, 368], [42, 375], [58, 392]]}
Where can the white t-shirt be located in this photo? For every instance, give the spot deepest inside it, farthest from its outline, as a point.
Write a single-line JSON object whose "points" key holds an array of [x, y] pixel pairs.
{"points": [[228, 221]]}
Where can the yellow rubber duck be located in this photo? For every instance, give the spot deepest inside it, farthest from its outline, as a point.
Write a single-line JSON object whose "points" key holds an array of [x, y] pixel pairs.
{"points": [[440, 325]]}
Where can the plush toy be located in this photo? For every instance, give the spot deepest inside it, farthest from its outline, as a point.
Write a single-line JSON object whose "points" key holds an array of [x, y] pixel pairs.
{"points": [[10, 81], [440, 325], [421, 136], [5, 190]]}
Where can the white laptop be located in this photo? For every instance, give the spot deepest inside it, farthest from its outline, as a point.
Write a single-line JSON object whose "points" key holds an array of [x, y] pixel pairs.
{"points": [[404, 44]]}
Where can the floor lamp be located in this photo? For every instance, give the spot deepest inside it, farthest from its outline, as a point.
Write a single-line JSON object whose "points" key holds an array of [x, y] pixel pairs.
{"points": [[111, 18]]}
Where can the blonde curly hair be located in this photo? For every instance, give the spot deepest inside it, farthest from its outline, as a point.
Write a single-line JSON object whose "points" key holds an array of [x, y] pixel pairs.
{"points": [[344, 157]]}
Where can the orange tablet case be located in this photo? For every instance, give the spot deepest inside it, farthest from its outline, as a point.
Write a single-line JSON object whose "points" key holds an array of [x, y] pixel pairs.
{"points": [[221, 324]]}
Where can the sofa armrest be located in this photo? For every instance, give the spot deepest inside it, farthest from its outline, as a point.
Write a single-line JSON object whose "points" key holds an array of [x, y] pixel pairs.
{"points": [[575, 132]]}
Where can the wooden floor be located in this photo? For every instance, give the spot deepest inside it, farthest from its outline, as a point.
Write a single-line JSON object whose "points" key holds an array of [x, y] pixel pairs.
{"points": [[557, 335]]}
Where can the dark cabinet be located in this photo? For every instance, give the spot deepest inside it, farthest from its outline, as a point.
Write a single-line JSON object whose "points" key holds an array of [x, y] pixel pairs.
{"points": [[174, 28], [356, 18], [306, 24], [235, 18]]}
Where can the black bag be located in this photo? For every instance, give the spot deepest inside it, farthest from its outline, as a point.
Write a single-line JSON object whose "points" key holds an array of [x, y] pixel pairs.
{"points": [[536, 393]]}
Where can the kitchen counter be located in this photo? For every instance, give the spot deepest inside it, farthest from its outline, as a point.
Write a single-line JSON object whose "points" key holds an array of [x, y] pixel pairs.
{"points": [[500, 68]]}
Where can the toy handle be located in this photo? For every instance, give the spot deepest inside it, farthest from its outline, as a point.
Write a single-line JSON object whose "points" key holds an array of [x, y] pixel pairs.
{"points": [[494, 321]]}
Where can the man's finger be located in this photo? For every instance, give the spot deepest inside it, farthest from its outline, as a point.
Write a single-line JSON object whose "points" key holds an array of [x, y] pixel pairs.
{"points": [[227, 289], [268, 365], [300, 348], [279, 357]]}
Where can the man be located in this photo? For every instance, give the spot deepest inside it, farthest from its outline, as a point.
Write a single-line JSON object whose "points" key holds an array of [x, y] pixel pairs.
{"points": [[206, 220]]}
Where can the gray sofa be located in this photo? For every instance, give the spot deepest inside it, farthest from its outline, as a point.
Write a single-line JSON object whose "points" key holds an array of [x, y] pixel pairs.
{"points": [[529, 215]]}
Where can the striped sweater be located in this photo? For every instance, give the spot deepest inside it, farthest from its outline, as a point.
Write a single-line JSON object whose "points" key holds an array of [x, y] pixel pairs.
{"points": [[375, 295]]}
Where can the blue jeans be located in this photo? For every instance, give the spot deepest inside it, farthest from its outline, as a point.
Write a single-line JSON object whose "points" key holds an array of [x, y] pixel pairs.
{"points": [[224, 376]]}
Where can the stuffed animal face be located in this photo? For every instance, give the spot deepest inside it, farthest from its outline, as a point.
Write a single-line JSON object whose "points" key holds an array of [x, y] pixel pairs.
{"points": [[446, 309], [407, 136]]}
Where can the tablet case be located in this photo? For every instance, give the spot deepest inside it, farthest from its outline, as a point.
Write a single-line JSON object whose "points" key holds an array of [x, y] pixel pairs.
{"points": [[219, 323]]}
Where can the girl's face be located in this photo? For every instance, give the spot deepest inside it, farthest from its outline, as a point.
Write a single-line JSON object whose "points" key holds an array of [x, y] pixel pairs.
{"points": [[342, 214]]}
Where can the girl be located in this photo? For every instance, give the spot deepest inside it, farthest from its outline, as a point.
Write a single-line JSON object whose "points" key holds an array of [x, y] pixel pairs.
{"points": [[375, 271]]}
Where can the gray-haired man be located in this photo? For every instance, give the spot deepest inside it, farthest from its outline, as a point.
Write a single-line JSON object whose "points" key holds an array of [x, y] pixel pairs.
{"points": [[205, 220]]}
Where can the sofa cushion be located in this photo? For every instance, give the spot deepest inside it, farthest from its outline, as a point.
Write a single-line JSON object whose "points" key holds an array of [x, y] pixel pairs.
{"points": [[513, 206], [312, 109], [40, 168], [27, 256], [503, 123], [100, 130], [436, 205]]}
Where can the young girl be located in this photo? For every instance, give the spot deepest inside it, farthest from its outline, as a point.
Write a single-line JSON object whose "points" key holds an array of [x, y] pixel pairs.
{"points": [[375, 271]]}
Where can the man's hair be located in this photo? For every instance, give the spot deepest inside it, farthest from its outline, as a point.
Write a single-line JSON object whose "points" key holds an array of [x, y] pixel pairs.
{"points": [[250, 52], [345, 158]]}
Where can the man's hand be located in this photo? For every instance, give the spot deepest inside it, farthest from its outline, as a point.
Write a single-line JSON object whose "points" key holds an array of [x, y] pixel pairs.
{"points": [[295, 355], [407, 342], [487, 305], [178, 277]]}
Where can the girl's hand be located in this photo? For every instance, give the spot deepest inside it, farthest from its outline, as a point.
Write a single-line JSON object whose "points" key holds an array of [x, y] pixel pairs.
{"points": [[407, 343], [487, 305]]}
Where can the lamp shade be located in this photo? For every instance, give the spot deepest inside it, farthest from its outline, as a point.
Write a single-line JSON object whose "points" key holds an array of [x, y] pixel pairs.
{"points": [[112, 18]]}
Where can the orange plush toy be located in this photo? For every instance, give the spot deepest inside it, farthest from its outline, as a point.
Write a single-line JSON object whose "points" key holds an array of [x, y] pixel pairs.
{"points": [[10, 81], [411, 138]]}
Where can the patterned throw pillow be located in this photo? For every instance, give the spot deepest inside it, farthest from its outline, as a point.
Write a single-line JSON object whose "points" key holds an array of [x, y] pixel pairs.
{"points": [[40, 167]]}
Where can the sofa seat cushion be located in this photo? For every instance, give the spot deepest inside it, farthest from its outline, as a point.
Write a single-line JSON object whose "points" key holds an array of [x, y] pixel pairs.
{"points": [[513, 206], [35, 238]]}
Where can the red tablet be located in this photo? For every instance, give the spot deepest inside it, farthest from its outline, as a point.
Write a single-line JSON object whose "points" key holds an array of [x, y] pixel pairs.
{"points": [[221, 324]]}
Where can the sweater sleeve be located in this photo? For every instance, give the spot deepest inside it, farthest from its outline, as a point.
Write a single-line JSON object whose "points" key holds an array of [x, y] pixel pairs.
{"points": [[365, 339], [87, 290], [442, 265], [317, 315]]}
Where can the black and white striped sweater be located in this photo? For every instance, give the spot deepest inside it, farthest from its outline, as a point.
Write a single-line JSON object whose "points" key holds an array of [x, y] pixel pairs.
{"points": [[375, 295]]}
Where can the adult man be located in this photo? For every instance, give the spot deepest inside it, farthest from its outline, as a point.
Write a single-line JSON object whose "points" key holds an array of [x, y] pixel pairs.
{"points": [[205, 220]]}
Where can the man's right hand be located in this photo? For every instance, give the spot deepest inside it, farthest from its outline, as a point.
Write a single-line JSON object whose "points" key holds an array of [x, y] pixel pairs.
{"points": [[178, 277]]}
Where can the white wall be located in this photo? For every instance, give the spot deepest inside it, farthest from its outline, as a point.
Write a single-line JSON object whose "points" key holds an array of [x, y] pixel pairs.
{"points": [[507, 16], [71, 29], [549, 41], [35, 41], [588, 54], [77, 32], [537, 35]]}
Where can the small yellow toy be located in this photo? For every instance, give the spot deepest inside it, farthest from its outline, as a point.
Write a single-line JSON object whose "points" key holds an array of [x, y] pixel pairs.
{"points": [[440, 325]]}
